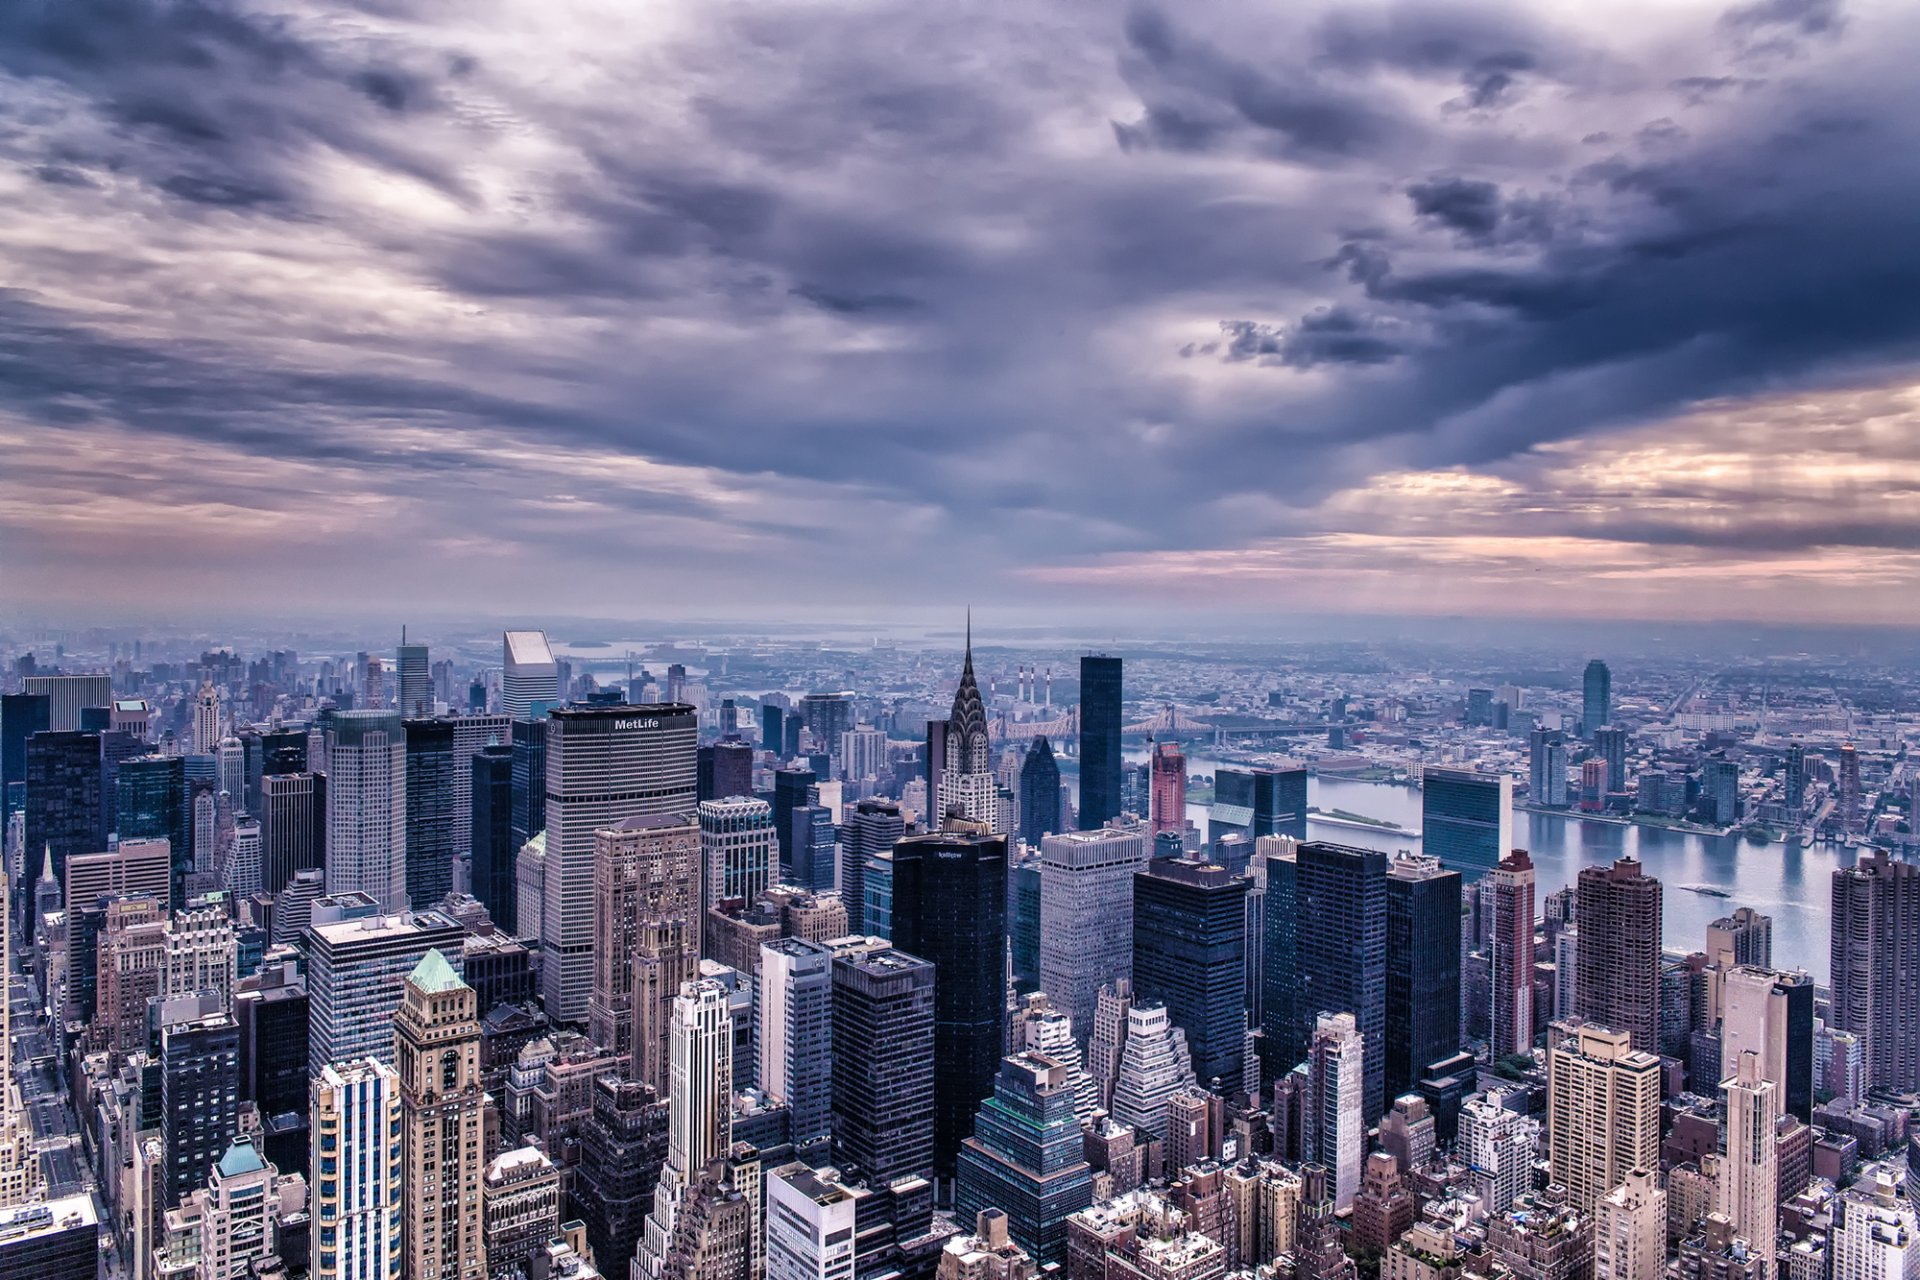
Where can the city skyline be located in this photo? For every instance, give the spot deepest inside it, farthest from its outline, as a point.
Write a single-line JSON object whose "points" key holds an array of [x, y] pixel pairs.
{"points": [[1357, 309]]}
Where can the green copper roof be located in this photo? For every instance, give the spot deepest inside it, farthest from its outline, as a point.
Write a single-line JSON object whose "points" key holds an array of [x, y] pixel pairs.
{"points": [[433, 974], [240, 1158]]}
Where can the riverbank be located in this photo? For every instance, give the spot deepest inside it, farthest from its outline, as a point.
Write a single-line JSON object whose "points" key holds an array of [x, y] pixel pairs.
{"points": [[1626, 820]]}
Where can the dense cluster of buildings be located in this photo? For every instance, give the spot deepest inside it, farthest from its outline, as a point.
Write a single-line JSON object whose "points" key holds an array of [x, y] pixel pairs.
{"points": [[527, 977]]}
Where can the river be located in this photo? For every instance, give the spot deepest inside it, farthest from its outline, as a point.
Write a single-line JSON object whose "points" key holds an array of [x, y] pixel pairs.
{"points": [[1785, 881]]}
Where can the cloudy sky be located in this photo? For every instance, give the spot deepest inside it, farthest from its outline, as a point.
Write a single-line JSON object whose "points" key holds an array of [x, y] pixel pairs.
{"points": [[641, 307]]}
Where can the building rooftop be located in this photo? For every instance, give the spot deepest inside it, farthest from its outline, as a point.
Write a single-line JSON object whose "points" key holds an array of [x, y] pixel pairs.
{"points": [[240, 1159], [434, 975], [528, 648]]}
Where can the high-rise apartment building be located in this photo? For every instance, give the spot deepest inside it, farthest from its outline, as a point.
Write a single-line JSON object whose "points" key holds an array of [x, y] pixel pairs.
{"points": [[356, 973], [950, 908], [883, 1064], [1189, 953], [1340, 910], [437, 1057], [1750, 1173], [1618, 981], [367, 807], [490, 849], [1423, 970], [1026, 1157], [1511, 954], [646, 870], [1875, 976], [1630, 1230], [1039, 793], [1496, 1144], [1603, 1109], [1770, 1014], [1466, 818], [793, 1011], [1743, 937], [1168, 800], [1547, 767], [358, 1166], [1086, 915], [1596, 698], [529, 676], [604, 763], [1335, 1126], [1610, 745], [1876, 1232], [1100, 730]]}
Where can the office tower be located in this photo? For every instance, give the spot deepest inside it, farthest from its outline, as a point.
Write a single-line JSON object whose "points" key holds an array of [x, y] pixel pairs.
{"points": [[56, 1238], [68, 696], [790, 787], [199, 1057], [1283, 1036], [604, 763], [873, 827], [413, 680], [1876, 991], [21, 716], [1086, 915], [1596, 698], [1630, 1230], [1169, 795], [1341, 950], [208, 722], [1025, 1156], [520, 1208], [1750, 1174], [367, 807], [950, 908], [430, 836], [1770, 1014], [293, 826], [1618, 981], [1151, 1066], [358, 1171], [827, 716], [725, 770], [270, 1008], [646, 869], [356, 971], [1547, 768], [137, 867], [132, 951], [1258, 802], [1334, 1113], [1466, 818], [1603, 1110], [230, 1225], [1511, 954], [437, 1057], [1039, 793], [1100, 730], [1023, 917], [1794, 782], [1039, 1026], [699, 1111], [815, 848], [1189, 953], [1496, 1144], [810, 1225], [1423, 970], [738, 849], [965, 785], [529, 744], [623, 1143], [491, 848], [862, 753], [200, 953], [528, 675], [793, 1011], [883, 1064], [63, 796]]}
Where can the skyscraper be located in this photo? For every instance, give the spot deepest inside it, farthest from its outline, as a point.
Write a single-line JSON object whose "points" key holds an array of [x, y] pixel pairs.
{"points": [[21, 716], [1169, 799], [883, 1065], [1511, 954], [1283, 1032], [64, 801], [1039, 793], [208, 727], [1610, 744], [1151, 1066], [151, 805], [437, 1057], [367, 807], [726, 769], [1100, 730], [356, 972], [1086, 916], [528, 740], [1467, 818], [1025, 1155], [1750, 1174], [1630, 1230], [1341, 951], [1498, 1146], [1617, 984], [359, 1171], [1770, 1014], [1189, 952], [490, 840], [1334, 1112], [604, 763], [1258, 802], [966, 785], [738, 849], [199, 1063], [1875, 955], [790, 788], [646, 869], [293, 826], [528, 674], [1423, 970], [793, 1010], [430, 840], [699, 1111], [1603, 1109], [1596, 698], [68, 695], [950, 907], [1547, 767], [414, 679], [872, 827]]}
